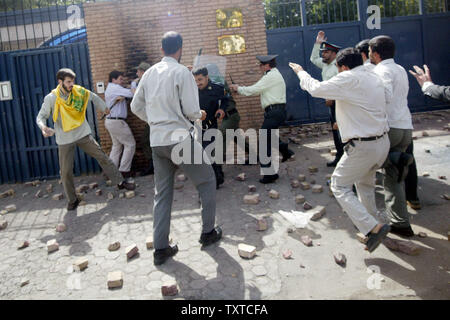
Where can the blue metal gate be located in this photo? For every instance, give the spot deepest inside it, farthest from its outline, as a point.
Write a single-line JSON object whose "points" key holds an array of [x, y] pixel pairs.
{"points": [[24, 153], [420, 39]]}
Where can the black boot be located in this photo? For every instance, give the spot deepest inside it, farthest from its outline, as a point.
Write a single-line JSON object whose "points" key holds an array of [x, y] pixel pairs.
{"points": [[149, 170], [269, 178]]}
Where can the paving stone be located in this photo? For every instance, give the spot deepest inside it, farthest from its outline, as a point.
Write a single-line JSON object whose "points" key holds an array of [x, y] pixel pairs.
{"points": [[274, 194], [340, 259], [318, 213], [52, 246], [307, 241], [23, 245], [130, 194], [241, 177], [60, 227], [58, 196], [98, 192], [11, 208], [295, 183], [307, 206], [251, 198], [80, 264], [259, 271], [262, 225], [301, 177], [115, 279], [251, 188], [407, 247], [131, 251], [246, 251], [305, 186], [299, 199], [3, 224], [93, 185], [114, 246], [317, 188], [181, 178], [169, 288]]}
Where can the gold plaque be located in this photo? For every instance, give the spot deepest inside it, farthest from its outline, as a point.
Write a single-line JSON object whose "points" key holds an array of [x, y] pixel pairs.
{"points": [[231, 44], [229, 18]]}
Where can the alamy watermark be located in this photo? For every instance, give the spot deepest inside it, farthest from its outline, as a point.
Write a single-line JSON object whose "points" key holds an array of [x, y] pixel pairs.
{"points": [[374, 21]]}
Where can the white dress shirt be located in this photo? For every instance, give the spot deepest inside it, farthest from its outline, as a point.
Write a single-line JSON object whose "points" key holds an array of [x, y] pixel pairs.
{"points": [[271, 87], [395, 80], [120, 109], [360, 102], [369, 65], [167, 98]]}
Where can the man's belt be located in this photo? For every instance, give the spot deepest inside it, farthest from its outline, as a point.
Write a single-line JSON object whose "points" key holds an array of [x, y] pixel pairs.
{"points": [[231, 112], [368, 138], [116, 118], [274, 107]]}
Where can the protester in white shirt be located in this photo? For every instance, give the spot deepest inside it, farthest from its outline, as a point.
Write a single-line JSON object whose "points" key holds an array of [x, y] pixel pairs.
{"points": [[167, 98], [362, 121], [363, 49], [395, 80], [123, 143]]}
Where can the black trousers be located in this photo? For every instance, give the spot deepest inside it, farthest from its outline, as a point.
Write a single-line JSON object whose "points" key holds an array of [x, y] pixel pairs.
{"points": [[273, 119], [411, 178], [218, 171], [336, 136]]}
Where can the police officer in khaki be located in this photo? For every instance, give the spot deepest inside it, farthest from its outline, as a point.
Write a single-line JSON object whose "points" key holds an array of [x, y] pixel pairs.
{"points": [[272, 89]]}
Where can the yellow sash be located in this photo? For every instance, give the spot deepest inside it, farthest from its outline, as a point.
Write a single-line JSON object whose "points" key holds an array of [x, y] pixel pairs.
{"points": [[73, 110]]}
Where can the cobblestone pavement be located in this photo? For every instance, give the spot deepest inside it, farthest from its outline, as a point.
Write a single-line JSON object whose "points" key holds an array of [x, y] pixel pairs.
{"points": [[219, 272]]}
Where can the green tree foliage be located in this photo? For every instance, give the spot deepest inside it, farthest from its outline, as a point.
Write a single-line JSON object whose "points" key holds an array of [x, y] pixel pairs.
{"points": [[13, 5]]}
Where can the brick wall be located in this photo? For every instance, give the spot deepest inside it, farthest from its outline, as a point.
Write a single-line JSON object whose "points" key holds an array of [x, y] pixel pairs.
{"points": [[123, 33]]}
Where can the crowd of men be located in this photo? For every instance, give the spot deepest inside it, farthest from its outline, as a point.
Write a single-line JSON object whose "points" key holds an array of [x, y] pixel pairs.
{"points": [[365, 89]]}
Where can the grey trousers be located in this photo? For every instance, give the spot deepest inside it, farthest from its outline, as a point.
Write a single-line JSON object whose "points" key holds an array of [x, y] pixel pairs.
{"points": [[201, 175], [394, 192], [91, 147]]}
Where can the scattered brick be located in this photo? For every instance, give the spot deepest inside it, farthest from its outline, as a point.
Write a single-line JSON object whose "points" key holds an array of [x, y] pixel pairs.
{"points": [[241, 177], [318, 213], [295, 183], [115, 279], [301, 177], [181, 178], [3, 224], [169, 288], [82, 188], [313, 169], [317, 188], [251, 198], [130, 194], [98, 192], [149, 243], [274, 194], [131, 251], [305, 186], [23, 245], [38, 194], [93, 185], [262, 225], [80, 264], [307, 206], [362, 238], [11, 208], [406, 247], [340, 259], [287, 254], [307, 241], [58, 196], [251, 188], [114, 246], [246, 251], [61, 227], [299, 199], [52, 246]]}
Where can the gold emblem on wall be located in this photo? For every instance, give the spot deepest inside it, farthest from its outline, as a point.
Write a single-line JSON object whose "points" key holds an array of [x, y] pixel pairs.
{"points": [[229, 18], [231, 44]]}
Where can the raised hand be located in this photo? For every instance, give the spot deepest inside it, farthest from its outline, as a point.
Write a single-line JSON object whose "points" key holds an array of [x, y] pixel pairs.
{"points": [[296, 67], [420, 75], [321, 37]]}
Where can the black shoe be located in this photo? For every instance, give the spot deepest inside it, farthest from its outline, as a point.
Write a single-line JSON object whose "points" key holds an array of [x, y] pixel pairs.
{"points": [[403, 232], [287, 156], [269, 178], [126, 185], [161, 255], [333, 163], [374, 239], [74, 205], [207, 239]]}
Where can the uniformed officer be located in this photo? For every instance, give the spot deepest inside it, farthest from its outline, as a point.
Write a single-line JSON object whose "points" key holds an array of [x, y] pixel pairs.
{"points": [[214, 101], [327, 63], [272, 89]]}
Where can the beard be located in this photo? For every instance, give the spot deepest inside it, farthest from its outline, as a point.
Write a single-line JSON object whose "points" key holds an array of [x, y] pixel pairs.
{"points": [[66, 88]]}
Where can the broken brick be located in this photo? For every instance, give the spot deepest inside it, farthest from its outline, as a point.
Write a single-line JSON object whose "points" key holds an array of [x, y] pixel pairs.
{"points": [[295, 183], [114, 246], [93, 185], [251, 188], [23, 245], [169, 288], [61, 227], [251, 198], [110, 196], [317, 188], [299, 199], [287, 254], [80, 264], [241, 177], [130, 194], [98, 192], [38, 194], [305, 186], [131, 251], [406, 247], [58, 196], [301, 177], [82, 188], [149, 242], [361, 238], [262, 225], [52, 246], [11, 208], [318, 213], [181, 178], [313, 169], [340, 259], [307, 241], [246, 251], [115, 279], [274, 194], [49, 188], [307, 206], [3, 224]]}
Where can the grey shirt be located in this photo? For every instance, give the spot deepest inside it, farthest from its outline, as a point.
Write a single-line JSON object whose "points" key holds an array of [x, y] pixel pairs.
{"points": [[71, 136]]}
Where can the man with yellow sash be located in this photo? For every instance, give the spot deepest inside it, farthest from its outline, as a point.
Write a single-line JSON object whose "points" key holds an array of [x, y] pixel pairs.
{"points": [[67, 106]]}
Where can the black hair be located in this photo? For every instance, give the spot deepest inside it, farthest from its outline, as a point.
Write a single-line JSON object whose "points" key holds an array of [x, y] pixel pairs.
{"points": [[272, 63], [363, 47], [171, 42], [349, 57], [64, 73], [114, 75], [384, 46], [200, 71]]}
